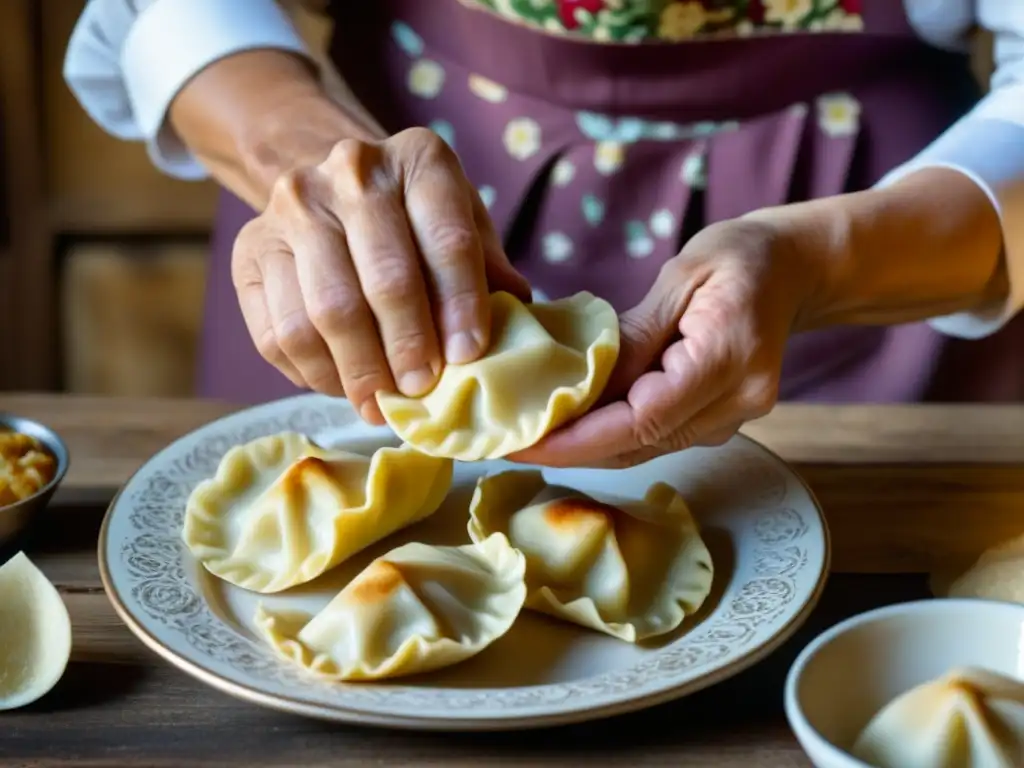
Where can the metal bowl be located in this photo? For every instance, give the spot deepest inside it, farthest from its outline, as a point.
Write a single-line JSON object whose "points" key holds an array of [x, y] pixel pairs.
{"points": [[16, 518]]}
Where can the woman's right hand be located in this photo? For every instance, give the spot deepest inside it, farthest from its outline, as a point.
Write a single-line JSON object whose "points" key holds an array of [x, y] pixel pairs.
{"points": [[372, 269]]}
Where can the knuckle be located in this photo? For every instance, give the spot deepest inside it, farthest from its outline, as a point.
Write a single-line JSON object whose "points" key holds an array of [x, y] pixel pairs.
{"points": [[251, 245], [673, 271], [362, 383], [758, 395], [356, 168], [428, 144], [650, 430], [324, 379], [336, 312], [453, 244], [409, 349], [269, 348], [680, 439], [638, 328], [392, 284], [296, 335], [290, 190], [713, 352], [348, 154]]}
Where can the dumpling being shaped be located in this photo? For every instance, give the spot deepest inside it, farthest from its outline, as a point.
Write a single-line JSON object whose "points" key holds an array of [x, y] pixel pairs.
{"points": [[548, 363], [632, 568], [968, 718], [281, 510], [416, 609]]}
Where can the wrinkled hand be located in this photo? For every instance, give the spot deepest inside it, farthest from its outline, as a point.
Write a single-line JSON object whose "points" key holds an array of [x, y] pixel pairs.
{"points": [[701, 354], [371, 269]]}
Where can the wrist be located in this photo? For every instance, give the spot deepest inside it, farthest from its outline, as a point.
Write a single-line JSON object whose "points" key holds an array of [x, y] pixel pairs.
{"points": [[298, 132], [810, 248], [256, 115], [927, 246]]}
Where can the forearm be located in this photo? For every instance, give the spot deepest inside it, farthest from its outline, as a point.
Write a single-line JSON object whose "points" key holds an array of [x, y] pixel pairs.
{"points": [[252, 116], [927, 246]]}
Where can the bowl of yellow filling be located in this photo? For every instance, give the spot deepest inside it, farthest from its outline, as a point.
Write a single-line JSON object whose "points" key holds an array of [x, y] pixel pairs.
{"points": [[33, 462]]}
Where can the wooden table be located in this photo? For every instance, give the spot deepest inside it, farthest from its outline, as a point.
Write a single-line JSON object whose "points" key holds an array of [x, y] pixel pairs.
{"points": [[904, 489]]}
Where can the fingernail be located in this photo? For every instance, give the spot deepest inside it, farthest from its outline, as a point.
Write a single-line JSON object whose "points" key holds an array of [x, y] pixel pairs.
{"points": [[463, 347], [416, 382]]}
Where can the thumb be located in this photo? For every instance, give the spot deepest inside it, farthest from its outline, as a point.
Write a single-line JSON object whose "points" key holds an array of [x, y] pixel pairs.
{"points": [[646, 330]]}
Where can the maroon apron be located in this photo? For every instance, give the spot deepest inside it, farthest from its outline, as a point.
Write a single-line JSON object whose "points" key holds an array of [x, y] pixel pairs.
{"points": [[598, 160]]}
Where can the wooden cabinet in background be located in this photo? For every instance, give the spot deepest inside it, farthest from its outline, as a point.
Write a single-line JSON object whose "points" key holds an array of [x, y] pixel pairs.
{"points": [[102, 314], [131, 317], [96, 183]]}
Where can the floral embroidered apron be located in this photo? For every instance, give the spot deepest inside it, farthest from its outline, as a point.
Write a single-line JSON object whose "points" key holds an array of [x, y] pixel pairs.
{"points": [[601, 134]]}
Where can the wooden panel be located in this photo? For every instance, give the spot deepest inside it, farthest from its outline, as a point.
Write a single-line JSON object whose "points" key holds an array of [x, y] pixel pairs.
{"points": [[921, 500], [27, 340], [98, 183], [132, 317]]}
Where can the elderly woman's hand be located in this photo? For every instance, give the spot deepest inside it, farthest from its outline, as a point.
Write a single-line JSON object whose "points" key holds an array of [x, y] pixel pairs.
{"points": [[370, 270], [701, 354]]}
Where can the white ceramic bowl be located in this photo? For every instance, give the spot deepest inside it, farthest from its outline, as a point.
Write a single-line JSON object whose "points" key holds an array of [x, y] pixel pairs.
{"points": [[847, 674]]}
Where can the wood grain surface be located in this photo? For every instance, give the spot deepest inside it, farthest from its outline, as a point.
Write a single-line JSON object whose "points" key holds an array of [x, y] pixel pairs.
{"points": [[902, 488]]}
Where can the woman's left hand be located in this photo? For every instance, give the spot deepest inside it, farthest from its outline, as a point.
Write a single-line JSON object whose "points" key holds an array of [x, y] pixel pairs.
{"points": [[701, 354]]}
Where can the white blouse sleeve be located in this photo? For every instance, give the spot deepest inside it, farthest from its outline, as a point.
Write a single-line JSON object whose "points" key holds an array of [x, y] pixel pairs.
{"points": [[127, 60], [987, 145]]}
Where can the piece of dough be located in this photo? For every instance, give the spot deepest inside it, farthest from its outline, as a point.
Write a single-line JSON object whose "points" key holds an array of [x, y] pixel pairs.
{"points": [[969, 718], [282, 511], [632, 568], [548, 363], [35, 634], [415, 609], [997, 575]]}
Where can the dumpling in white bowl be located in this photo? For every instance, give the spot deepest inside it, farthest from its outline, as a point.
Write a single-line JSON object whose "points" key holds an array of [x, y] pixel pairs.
{"points": [[416, 609], [281, 510], [631, 568], [968, 718], [548, 363]]}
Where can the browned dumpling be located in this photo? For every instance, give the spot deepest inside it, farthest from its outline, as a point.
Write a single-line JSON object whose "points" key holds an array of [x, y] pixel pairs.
{"points": [[282, 511], [415, 609], [632, 568]]}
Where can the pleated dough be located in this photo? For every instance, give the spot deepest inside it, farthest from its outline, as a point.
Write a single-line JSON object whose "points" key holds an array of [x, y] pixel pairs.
{"points": [[997, 575], [35, 634], [416, 609], [631, 568], [548, 363], [281, 511], [969, 718]]}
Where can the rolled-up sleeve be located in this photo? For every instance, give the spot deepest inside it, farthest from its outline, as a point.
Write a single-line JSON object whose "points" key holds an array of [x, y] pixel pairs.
{"points": [[128, 59], [987, 145]]}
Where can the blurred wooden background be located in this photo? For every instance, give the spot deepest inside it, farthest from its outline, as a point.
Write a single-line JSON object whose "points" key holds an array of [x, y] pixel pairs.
{"points": [[101, 257]]}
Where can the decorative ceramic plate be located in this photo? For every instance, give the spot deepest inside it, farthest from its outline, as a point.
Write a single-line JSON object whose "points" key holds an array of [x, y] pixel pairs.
{"points": [[762, 526]]}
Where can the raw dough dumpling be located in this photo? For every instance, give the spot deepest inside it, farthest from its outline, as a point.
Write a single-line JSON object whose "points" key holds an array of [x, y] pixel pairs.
{"points": [[548, 363], [633, 568], [969, 718], [35, 634], [997, 575], [281, 510], [415, 609]]}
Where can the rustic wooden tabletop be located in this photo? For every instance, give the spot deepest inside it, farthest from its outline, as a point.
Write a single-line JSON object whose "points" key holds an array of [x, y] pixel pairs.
{"points": [[904, 490]]}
